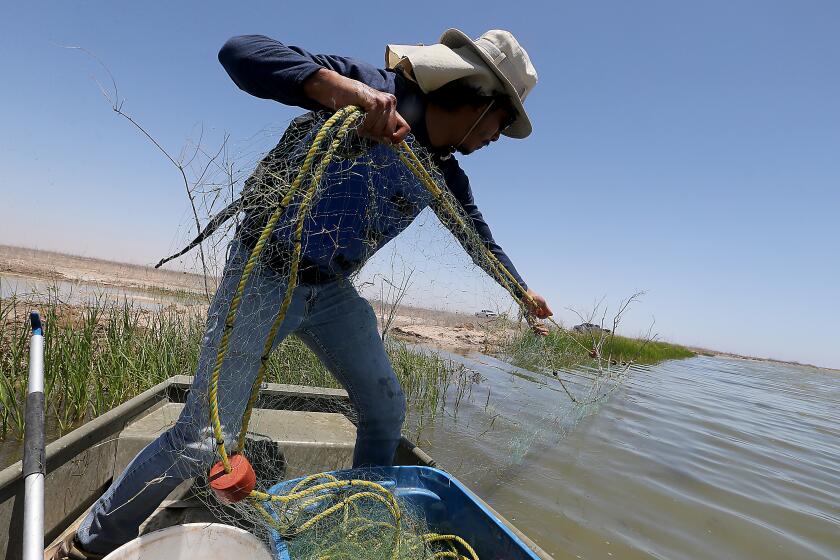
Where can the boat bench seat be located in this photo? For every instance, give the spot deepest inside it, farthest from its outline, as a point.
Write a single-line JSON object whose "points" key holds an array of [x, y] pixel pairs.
{"points": [[308, 442]]}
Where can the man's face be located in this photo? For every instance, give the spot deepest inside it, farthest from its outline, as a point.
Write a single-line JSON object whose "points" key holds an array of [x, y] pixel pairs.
{"points": [[487, 130]]}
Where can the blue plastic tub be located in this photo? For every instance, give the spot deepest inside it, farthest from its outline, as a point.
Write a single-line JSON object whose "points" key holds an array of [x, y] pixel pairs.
{"points": [[448, 507]]}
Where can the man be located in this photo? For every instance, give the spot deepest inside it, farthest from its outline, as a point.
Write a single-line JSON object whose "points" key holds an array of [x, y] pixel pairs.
{"points": [[457, 95]]}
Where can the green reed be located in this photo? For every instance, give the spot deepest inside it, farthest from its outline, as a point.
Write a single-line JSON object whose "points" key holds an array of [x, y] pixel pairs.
{"points": [[96, 356], [101, 354], [567, 350]]}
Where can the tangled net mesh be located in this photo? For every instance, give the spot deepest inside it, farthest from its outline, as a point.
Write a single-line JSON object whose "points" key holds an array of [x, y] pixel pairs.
{"points": [[303, 209]]}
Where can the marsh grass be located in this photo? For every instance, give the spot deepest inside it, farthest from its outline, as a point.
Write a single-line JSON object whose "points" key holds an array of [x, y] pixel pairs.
{"points": [[570, 350], [101, 354], [96, 356]]}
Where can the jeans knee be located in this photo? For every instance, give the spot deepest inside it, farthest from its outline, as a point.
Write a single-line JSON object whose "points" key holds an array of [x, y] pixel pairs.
{"points": [[386, 417], [399, 407], [194, 445]]}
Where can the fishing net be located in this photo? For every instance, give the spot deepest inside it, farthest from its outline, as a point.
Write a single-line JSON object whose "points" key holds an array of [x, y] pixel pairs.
{"points": [[316, 209]]}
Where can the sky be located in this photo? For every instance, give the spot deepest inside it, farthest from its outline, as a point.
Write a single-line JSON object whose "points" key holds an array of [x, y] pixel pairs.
{"points": [[687, 149]]}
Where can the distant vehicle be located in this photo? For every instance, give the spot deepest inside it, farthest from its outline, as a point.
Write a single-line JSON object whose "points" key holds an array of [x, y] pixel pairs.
{"points": [[486, 313]]}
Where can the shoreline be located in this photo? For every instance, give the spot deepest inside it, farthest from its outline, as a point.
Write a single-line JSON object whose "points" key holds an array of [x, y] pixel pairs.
{"points": [[733, 356], [150, 287], [450, 330], [60, 267]]}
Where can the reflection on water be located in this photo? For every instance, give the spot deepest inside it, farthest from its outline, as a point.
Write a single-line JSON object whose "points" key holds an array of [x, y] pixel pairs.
{"points": [[700, 458], [11, 449]]}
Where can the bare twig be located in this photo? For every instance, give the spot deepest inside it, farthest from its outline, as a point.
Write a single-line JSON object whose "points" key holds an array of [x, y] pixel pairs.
{"points": [[391, 297], [117, 103]]}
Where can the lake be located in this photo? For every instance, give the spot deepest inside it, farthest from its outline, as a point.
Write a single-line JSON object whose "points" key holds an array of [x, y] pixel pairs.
{"points": [[698, 458]]}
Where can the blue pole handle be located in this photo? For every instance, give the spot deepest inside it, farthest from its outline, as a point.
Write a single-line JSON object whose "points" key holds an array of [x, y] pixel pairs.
{"points": [[35, 320]]}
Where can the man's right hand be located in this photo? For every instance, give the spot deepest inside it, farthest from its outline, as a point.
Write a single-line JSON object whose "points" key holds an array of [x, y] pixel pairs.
{"points": [[382, 121]]}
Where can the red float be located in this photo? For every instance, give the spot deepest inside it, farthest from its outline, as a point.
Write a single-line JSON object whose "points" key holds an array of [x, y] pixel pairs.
{"points": [[237, 484]]}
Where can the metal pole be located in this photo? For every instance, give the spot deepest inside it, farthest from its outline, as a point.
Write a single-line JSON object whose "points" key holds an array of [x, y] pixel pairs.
{"points": [[33, 448]]}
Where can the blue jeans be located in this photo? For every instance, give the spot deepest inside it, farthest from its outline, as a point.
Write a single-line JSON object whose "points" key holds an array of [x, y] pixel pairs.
{"points": [[332, 319]]}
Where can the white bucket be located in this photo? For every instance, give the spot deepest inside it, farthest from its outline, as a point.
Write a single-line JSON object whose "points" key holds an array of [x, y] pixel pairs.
{"points": [[199, 541]]}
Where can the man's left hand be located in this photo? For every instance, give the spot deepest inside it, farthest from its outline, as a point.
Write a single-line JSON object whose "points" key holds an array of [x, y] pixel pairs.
{"points": [[539, 308]]}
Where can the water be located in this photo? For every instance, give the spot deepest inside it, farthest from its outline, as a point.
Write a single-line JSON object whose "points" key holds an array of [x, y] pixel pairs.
{"points": [[699, 458], [82, 293]]}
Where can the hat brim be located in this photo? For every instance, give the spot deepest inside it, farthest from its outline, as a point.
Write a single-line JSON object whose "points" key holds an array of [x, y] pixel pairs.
{"points": [[521, 127]]}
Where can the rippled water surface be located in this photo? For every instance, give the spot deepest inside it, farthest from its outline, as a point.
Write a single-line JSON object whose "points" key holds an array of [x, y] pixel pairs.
{"points": [[699, 458]]}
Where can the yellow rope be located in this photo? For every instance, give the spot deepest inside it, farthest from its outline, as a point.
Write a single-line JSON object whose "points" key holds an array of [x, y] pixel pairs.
{"points": [[376, 492], [305, 497], [372, 495], [410, 159], [293, 273], [434, 537], [305, 481], [240, 289], [499, 271]]}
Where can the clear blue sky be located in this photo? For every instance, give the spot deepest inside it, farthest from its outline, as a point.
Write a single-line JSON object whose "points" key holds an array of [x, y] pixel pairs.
{"points": [[688, 149]]}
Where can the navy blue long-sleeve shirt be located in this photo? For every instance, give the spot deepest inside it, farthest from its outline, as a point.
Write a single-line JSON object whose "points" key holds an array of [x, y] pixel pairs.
{"points": [[268, 69]]}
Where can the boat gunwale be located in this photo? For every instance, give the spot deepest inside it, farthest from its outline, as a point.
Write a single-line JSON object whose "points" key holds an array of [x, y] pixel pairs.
{"points": [[174, 389]]}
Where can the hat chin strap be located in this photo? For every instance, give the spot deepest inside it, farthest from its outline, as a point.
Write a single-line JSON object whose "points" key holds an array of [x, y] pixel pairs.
{"points": [[475, 124]]}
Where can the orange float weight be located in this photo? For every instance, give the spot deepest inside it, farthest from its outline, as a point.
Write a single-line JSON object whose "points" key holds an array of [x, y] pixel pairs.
{"points": [[237, 484]]}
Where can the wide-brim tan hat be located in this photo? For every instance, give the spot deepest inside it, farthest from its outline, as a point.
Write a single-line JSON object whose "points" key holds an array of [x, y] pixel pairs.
{"points": [[495, 62]]}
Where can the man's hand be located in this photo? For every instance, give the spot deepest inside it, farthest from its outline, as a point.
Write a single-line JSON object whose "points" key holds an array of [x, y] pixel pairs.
{"points": [[382, 121], [539, 308]]}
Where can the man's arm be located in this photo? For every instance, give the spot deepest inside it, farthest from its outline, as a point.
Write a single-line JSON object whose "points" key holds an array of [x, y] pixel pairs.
{"points": [[459, 184], [268, 69]]}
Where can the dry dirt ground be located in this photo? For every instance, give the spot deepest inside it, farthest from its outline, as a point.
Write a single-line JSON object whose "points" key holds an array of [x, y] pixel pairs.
{"points": [[50, 266], [440, 328], [444, 328]]}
